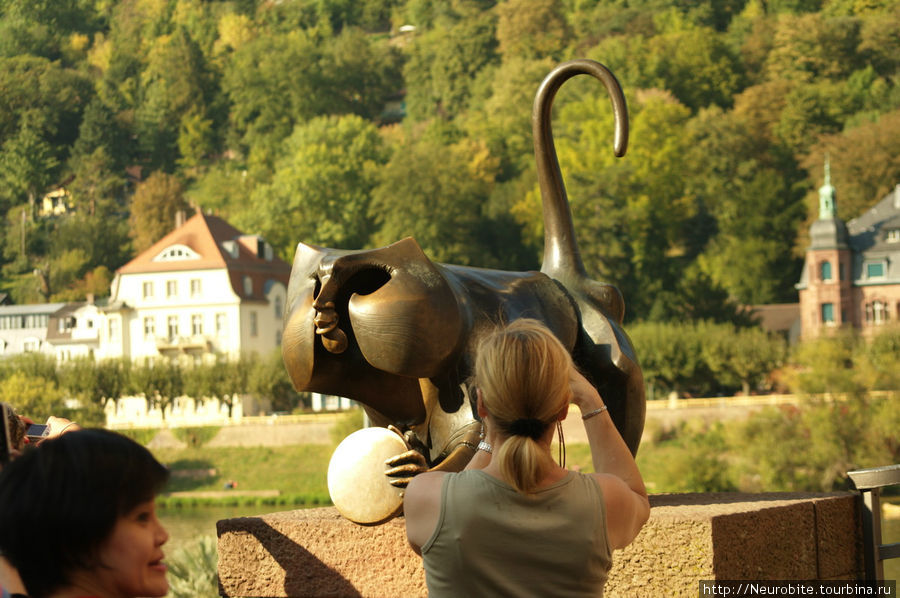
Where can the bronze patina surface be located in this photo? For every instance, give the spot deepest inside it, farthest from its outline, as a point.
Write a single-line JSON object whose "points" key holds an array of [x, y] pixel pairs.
{"points": [[396, 331]]}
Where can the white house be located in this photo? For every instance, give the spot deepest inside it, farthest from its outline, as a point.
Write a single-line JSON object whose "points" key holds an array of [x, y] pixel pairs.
{"points": [[204, 290], [23, 328], [74, 330]]}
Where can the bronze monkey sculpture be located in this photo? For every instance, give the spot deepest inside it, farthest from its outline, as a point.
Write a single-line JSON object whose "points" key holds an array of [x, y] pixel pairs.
{"points": [[395, 331]]}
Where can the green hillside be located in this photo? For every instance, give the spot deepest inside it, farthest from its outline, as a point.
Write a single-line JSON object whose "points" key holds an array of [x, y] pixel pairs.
{"points": [[282, 118]]}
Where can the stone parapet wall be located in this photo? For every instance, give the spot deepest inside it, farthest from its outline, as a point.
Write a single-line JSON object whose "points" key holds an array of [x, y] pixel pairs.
{"points": [[689, 538]]}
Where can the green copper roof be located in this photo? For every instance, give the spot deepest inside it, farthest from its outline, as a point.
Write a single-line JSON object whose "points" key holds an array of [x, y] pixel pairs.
{"points": [[827, 207]]}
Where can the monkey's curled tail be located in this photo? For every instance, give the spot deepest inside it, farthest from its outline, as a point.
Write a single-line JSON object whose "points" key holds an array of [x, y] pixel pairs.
{"points": [[562, 259]]}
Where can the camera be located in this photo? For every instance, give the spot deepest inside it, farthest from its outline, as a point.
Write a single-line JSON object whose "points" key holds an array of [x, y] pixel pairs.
{"points": [[37, 432]]}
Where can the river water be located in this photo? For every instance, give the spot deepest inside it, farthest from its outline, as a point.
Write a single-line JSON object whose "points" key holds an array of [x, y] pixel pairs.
{"points": [[185, 526]]}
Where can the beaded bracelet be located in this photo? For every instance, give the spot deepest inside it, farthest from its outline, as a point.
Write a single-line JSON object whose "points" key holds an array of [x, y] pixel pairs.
{"points": [[596, 411]]}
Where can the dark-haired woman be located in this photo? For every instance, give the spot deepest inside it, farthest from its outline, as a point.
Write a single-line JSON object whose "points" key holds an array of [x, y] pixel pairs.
{"points": [[78, 518], [515, 523]]}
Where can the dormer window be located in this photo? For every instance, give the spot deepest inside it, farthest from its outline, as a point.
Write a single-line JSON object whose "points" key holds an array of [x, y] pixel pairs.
{"points": [[874, 270], [248, 286], [893, 235], [176, 253], [231, 248]]}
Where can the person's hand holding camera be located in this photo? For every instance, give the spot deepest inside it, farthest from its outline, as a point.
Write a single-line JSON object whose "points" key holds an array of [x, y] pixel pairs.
{"points": [[60, 425]]}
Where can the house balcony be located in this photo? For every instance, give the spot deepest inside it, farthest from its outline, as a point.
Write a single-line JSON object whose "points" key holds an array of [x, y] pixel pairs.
{"points": [[193, 344]]}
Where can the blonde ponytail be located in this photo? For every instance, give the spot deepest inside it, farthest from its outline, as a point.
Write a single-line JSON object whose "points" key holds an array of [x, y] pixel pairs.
{"points": [[522, 371]]}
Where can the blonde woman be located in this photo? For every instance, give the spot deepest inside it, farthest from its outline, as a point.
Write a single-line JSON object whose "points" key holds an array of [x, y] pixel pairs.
{"points": [[515, 523]]}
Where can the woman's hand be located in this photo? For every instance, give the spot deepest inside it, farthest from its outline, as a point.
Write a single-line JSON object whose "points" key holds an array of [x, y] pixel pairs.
{"points": [[584, 395], [60, 425]]}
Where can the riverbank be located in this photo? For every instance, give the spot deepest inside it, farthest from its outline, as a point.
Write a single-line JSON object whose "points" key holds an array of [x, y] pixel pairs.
{"points": [[318, 429]]}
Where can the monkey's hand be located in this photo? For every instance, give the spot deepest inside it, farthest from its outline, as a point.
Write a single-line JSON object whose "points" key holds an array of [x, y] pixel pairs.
{"points": [[405, 466]]}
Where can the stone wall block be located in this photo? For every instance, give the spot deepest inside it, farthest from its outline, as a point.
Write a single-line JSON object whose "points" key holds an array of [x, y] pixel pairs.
{"points": [[689, 538], [839, 538], [773, 542]]}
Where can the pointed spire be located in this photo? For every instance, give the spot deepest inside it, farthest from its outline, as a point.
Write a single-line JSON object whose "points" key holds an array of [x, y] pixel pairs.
{"points": [[827, 206]]}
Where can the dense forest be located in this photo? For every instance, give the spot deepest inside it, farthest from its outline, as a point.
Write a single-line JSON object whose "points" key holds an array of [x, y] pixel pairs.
{"points": [[282, 117]]}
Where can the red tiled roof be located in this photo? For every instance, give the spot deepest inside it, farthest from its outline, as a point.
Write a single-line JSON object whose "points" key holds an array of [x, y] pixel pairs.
{"points": [[205, 235]]}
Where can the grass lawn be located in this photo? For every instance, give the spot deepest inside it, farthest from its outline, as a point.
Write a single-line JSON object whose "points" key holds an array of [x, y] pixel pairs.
{"points": [[297, 470]]}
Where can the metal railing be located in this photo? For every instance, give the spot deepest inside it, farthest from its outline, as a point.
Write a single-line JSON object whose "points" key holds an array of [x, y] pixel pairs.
{"points": [[869, 483]]}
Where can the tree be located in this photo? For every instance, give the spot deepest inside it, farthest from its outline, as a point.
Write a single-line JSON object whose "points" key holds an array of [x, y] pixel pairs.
{"points": [[26, 247], [697, 298], [435, 193], [209, 381], [100, 134], [175, 90], [629, 57], [530, 30], [45, 29], [670, 354], [321, 189], [154, 204], [811, 110], [697, 66], [27, 166], [825, 365], [269, 380], [266, 99], [96, 382], [865, 163], [31, 365], [36, 397], [443, 64], [743, 355], [733, 169], [878, 361], [98, 187], [630, 214], [102, 238], [234, 379], [503, 120], [809, 47], [161, 382], [53, 258], [223, 188], [878, 41], [360, 74], [44, 98]]}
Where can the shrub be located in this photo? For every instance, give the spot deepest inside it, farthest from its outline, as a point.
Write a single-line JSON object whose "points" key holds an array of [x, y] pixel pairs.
{"points": [[196, 437], [811, 447], [142, 436], [696, 460], [192, 570]]}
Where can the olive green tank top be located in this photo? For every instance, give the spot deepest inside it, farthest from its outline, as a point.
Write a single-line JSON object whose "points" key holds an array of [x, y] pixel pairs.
{"points": [[493, 541]]}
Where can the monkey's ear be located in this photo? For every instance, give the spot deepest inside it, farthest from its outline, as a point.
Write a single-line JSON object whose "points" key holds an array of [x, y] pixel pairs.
{"points": [[412, 324]]}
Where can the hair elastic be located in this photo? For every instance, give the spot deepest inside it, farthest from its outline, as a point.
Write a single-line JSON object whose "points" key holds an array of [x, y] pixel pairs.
{"points": [[527, 426]]}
